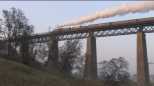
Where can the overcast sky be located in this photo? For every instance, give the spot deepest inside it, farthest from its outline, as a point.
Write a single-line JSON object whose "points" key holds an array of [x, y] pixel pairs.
{"points": [[43, 14]]}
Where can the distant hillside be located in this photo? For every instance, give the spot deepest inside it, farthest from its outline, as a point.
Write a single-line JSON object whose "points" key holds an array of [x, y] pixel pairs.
{"points": [[16, 74]]}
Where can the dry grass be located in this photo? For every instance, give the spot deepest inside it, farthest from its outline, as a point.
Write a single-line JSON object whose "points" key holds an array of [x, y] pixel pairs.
{"points": [[16, 74]]}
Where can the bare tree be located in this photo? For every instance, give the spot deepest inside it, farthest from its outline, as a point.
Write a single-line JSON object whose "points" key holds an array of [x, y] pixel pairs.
{"points": [[115, 70], [41, 52], [69, 52], [16, 24], [78, 68]]}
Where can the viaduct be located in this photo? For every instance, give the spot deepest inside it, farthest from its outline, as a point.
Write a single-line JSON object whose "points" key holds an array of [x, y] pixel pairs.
{"points": [[135, 26]]}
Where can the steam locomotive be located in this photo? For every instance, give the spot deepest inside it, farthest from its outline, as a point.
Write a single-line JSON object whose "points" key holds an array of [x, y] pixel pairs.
{"points": [[111, 25]]}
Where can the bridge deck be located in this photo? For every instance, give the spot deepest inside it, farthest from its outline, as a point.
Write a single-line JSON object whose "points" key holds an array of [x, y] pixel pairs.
{"points": [[100, 30]]}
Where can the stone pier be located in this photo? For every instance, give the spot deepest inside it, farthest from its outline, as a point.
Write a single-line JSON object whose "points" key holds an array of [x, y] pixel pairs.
{"points": [[53, 53], [142, 60], [90, 71], [24, 49]]}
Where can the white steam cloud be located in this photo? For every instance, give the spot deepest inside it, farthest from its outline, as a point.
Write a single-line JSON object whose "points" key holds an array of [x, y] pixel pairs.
{"points": [[123, 9]]}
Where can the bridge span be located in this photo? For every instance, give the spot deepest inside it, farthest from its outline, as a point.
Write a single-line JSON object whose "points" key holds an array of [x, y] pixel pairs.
{"points": [[117, 28]]}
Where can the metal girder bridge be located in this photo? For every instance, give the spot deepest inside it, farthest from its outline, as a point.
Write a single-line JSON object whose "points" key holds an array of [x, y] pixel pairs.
{"points": [[100, 30], [41, 38], [106, 29], [105, 33]]}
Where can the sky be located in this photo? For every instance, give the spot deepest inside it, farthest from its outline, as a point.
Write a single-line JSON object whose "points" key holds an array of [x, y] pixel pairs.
{"points": [[45, 14]]}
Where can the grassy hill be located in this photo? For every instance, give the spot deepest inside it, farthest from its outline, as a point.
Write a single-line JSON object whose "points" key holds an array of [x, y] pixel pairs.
{"points": [[16, 74]]}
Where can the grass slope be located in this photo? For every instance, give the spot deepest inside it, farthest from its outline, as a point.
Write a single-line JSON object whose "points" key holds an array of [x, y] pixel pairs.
{"points": [[16, 74]]}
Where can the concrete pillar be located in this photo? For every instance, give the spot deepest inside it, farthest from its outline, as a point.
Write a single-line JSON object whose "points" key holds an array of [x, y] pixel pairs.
{"points": [[24, 49], [53, 53], [142, 60], [90, 71]]}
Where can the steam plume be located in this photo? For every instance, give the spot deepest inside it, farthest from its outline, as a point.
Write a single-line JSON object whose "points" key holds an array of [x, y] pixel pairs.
{"points": [[123, 9]]}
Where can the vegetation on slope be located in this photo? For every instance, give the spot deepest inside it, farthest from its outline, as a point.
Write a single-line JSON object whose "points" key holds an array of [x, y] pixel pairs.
{"points": [[16, 74]]}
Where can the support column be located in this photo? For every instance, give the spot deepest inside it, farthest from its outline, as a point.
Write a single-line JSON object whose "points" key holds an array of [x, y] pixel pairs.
{"points": [[24, 49], [142, 60], [90, 71], [53, 53]]}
